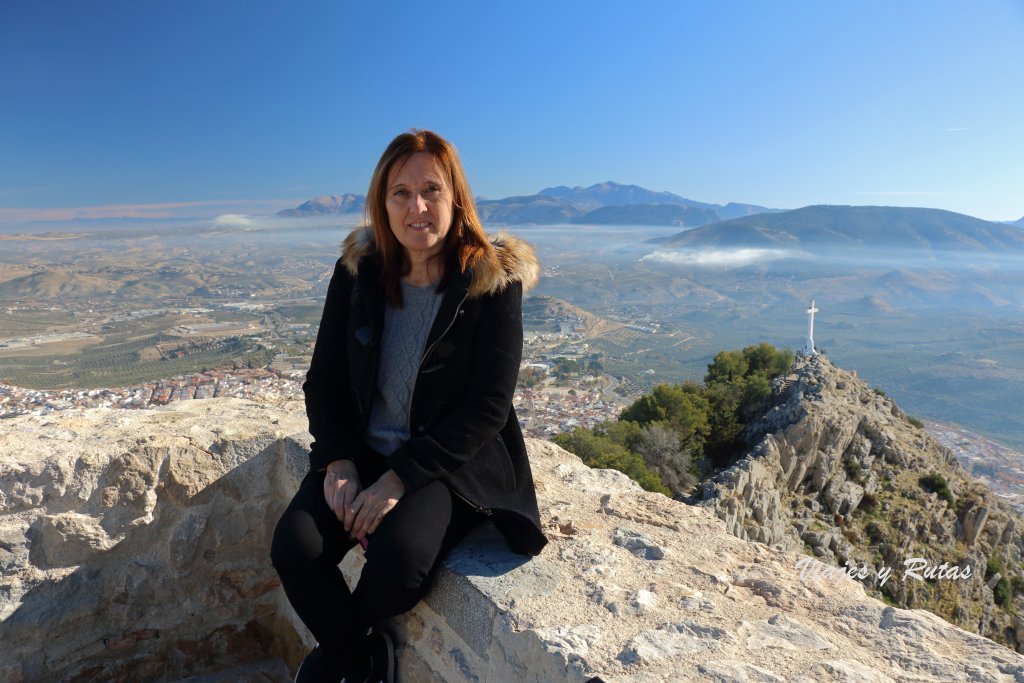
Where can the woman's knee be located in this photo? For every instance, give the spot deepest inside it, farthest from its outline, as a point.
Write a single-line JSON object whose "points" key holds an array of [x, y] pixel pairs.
{"points": [[298, 541], [402, 559], [399, 571], [388, 590], [285, 548], [306, 531]]}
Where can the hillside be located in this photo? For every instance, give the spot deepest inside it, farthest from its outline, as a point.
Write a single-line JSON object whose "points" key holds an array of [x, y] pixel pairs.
{"points": [[839, 471], [55, 284], [857, 227], [648, 214]]}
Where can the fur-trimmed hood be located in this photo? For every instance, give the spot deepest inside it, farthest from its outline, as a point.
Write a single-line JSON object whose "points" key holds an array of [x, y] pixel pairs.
{"points": [[514, 260]]}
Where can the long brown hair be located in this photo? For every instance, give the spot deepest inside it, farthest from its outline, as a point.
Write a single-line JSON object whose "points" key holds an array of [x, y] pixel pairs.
{"points": [[466, 238]]}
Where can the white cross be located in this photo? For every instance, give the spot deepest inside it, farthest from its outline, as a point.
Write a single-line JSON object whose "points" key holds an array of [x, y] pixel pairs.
{"points": [[809, 345]]}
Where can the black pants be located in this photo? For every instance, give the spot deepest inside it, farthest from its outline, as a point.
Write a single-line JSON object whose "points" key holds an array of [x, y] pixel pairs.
{"points": [[401, 558]]}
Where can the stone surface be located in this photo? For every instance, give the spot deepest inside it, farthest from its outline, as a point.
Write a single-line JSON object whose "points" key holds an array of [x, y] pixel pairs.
{"points": [[836, 471], [178, 585], [136, 542]]}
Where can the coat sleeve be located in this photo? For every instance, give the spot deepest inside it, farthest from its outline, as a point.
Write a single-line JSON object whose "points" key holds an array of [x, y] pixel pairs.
{"points": [[484, 403], [328, 400]]}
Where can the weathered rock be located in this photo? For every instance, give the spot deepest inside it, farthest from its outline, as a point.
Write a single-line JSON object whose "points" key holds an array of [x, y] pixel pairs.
{"points": [[843, 497], [731, 671], [838, 471], [185, 591], [638, 544], [146, 537], [66, 539], [974, 523]]}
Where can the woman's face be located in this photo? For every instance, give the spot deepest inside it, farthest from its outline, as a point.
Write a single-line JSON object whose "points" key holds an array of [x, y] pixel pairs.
{"points": [[419, 204]]}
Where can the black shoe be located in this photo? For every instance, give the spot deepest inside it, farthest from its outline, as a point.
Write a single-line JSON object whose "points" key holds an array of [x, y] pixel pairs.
{"points": [[315, 669], [378, 662]]}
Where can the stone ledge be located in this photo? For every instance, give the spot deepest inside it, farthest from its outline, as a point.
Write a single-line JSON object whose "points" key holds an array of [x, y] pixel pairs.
{"points": [[633, 587]]}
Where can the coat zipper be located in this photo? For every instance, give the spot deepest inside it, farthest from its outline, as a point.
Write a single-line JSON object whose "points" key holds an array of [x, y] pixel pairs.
{"points": [[486, 512], [430, 349]]}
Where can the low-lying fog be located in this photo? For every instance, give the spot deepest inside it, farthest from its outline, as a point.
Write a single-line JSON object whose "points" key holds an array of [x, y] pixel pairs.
{"points": [[942, 332]]}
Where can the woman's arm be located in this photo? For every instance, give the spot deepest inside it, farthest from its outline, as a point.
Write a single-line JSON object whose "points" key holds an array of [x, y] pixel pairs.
{"points": [[328, 399], [484, 402]]}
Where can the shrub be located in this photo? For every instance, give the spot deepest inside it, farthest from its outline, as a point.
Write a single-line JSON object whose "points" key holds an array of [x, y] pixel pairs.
{"points": [[993, 566], [936, 483], [875, 533], [1002, 594], [915, 422], [600, 452]]}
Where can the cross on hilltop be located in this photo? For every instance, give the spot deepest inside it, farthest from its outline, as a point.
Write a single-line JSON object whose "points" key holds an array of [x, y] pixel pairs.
{"points": [[809, 344]]}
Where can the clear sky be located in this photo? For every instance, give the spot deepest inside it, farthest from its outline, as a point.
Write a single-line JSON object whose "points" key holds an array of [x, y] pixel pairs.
{"points": [[201, 107]]}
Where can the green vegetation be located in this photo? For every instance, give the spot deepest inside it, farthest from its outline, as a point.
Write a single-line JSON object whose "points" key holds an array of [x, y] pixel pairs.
{"points": [[984, 469], [677, 432], [603, 452], [1017, 584], [993, 566], [565, 368], [1002, 592], [936, 483], [853, 471], [915, 422]]}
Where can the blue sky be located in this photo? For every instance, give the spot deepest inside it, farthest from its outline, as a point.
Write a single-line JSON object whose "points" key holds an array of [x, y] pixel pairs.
{"points": [[187, 108]]}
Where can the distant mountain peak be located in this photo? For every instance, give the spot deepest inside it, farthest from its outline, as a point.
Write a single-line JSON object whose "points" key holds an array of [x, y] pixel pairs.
{"points": [[327, 204], [611, 193]]}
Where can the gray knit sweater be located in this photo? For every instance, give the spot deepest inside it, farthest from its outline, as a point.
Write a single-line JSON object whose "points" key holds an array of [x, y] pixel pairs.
{"points": [[405, 335]]}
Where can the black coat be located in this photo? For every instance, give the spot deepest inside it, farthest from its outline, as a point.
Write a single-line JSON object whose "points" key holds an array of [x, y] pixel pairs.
{"points": [[463, 428]]}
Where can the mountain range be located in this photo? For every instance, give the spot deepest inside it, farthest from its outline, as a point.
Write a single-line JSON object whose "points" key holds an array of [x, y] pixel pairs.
{"points": [[606, 203], [732, 225], [325, 205]]}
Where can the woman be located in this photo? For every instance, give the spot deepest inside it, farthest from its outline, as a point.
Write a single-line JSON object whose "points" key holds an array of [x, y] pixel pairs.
{"points": [[409, 399]]}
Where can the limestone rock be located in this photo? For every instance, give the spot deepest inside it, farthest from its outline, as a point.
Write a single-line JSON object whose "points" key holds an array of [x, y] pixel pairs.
{"points": [[168, 514], [134, 546], [974, 524], [837, 470], [843, 497]]}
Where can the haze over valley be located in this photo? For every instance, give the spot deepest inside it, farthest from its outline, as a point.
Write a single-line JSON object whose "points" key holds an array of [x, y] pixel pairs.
{"points": [[927, 305]]}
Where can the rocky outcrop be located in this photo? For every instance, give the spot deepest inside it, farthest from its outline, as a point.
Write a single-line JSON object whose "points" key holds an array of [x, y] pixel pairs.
{"points": [[840, 472], [134, 543], [136, 549]]}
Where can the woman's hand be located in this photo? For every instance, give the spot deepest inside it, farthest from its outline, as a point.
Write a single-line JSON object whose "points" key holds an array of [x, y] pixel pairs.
{"points": [[374, 502], [341, 488]]}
